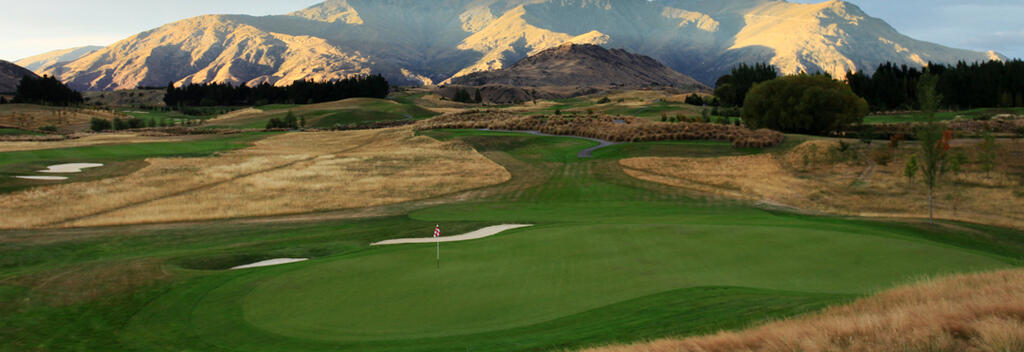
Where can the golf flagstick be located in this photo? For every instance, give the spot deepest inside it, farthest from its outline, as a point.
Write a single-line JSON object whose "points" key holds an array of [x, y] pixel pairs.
{"points": [[437, 240]]}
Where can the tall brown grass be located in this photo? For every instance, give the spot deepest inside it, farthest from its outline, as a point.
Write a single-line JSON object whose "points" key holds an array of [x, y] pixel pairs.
{"points": [[606, 127], [810, 177], [285, 174], [971, 312]]}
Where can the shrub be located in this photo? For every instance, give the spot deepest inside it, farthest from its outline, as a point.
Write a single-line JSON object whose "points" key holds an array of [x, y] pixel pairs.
{"points": [[910, 169], [803, 104], [694, 99], [99, 125], [604, 100], [49, 128], [882, 156]]}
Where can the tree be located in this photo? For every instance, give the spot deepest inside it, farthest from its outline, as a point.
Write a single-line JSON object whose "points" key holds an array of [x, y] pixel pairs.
{"points": [[934, 142], [462, 96], [290, 121], [478, 98], [46, 90], [120, 124], [99, 125], [3, 100], [809, 104], [302, 122], [694, 99], [731, 89], [910, 170]]}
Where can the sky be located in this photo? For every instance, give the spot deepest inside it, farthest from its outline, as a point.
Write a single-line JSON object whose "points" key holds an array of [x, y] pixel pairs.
{"points": [[33, 27]]}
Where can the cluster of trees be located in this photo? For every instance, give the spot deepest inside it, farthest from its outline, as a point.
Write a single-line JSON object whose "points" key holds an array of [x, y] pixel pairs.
{"points": [[962, 86], [809, 104], [462, 96], [46, 90], [288, 122], [300, 92], [731, 89]]}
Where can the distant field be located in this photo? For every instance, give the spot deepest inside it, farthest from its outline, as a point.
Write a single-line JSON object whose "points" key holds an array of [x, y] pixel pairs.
{"points": [[943, 116]]}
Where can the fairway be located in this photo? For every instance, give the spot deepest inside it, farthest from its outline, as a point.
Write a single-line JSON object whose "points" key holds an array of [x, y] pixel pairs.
{"points": [[608, 261]]}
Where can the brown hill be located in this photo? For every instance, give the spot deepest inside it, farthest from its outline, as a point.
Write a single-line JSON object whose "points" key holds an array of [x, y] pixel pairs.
{"points": [[584, 65], [11, 75]]}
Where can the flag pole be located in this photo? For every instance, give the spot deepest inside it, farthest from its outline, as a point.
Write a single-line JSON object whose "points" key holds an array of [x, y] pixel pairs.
{"points": [[437, 240]]}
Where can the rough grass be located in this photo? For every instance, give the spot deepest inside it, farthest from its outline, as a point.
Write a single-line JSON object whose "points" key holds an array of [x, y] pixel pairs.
{"points": [[815, 177], [83, 140], [977, 312], [611, 128], [285, 174]]}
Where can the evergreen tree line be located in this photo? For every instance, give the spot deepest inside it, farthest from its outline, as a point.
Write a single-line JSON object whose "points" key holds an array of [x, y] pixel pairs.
{"points": [[300, 92], [962, 86], [731, 89], [45, 90]]}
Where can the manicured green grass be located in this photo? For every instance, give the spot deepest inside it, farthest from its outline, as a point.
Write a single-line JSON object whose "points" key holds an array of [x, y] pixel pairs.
{"points": [[611, 259], [17, 132], [162, 115]]}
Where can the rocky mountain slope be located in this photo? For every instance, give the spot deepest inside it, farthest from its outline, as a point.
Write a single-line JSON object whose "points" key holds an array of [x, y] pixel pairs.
{"points": [[583, 65], [426, 42], [11, 75], [42, 61]]}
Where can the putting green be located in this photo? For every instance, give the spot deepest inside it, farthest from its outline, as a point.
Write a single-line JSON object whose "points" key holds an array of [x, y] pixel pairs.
{"points": [[531, 276]]}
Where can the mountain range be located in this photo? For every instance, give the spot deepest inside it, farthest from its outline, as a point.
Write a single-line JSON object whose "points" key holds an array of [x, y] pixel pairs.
{"points": [[585, 65], [432, 42]]}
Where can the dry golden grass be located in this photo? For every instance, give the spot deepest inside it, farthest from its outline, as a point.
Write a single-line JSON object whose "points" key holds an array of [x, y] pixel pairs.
{"points": [[66, 119], [286, 174], [84, 140], [818, 184], [972, 312]]}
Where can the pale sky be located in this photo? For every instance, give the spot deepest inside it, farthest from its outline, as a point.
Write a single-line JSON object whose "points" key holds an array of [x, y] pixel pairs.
{"points": [[33, 27]]}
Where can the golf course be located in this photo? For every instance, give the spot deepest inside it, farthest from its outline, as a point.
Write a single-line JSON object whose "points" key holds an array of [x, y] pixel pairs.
{"points": [[609, 259]]}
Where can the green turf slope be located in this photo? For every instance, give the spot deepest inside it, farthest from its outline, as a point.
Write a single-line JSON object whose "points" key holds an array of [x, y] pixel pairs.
{"points": [[610, 260]]}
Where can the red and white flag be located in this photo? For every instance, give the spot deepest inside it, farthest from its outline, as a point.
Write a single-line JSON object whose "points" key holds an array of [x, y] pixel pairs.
{"points": [[437, 231]]}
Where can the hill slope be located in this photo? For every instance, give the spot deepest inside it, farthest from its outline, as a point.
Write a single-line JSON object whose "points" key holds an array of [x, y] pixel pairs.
{"points": [[417, 42], [583, 65], [11, 75], [42, 61]]}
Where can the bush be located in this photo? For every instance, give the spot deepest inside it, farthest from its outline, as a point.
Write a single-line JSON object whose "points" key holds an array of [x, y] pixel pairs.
{"points": [[604, 100], [694, 99], [99, 125], [882, 156], [50, 128], [803, 104]]}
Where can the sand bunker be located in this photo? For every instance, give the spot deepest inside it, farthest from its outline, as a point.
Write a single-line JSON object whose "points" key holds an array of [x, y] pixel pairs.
{"points": [[42, 178], [69, 168], [478, 234], [270, 262]]}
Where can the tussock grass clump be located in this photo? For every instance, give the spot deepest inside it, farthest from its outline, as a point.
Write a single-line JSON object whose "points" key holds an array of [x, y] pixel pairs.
{"points": [[611, 128], [973, 312]]}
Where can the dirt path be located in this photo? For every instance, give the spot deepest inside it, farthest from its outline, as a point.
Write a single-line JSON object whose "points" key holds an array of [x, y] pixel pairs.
{"points": [[478, 234]]}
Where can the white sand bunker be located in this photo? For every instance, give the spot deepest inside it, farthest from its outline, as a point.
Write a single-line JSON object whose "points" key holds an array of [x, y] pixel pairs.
{"points": [[270, 262], [69, 168], [478, 234], [42, 178]]}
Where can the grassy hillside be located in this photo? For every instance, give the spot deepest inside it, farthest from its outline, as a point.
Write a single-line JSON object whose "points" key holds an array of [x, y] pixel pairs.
{"points": [[611, 259], [355, 111]]}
